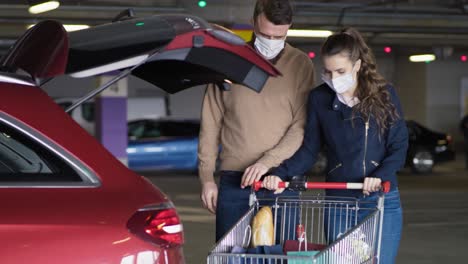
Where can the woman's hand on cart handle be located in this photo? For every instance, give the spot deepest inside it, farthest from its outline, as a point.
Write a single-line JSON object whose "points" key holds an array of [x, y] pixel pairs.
{"points": [[371, 185], [272, 182], [385, 186]]}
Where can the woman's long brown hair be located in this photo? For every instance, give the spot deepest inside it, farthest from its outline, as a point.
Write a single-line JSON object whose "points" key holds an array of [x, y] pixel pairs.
{"points": [[371, 88]]}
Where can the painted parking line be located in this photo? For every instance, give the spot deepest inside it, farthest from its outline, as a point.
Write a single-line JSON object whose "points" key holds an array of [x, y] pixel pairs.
{"points": [[436, 211], [435, 224], [187, 197], [191, 209], [195, 214], [201, 219]]}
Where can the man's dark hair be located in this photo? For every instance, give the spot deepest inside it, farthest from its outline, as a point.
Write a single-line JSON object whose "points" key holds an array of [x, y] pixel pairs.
{"points": [[278, 12]]}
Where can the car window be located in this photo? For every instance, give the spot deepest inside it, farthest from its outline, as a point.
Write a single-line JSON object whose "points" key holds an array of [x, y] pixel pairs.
{"points": [[87, 111], [413, 129], [180, 129], [193, 129], [168, 129], [155, 129], [136, 130], [152, 130], [65, 105], [24, 160], [411, 132]]}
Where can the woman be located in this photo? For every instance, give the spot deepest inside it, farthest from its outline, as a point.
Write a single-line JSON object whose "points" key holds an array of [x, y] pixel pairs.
{"points": [[357, 115]]}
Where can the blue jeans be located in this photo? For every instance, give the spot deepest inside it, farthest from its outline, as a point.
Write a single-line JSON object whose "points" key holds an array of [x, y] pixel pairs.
{"points": [[233, 202], [392, 224]]}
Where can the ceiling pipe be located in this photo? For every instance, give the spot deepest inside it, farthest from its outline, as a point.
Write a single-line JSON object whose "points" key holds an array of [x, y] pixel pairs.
{"points": [[313, 18], [29, 20], [326, 5], [104, 8], [364, 6], [394, 7], [347, 5], [394, 29], [7, 42]]}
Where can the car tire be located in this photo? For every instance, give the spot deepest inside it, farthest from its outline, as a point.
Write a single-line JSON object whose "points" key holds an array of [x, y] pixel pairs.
{"points": [[422, 161]]}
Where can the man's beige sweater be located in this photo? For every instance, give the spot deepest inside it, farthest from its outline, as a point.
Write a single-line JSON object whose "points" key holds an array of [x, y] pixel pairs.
{"points": [[250, 127]]}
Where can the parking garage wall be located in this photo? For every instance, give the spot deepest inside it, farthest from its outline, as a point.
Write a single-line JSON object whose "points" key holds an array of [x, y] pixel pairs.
{"points": [[187, 104], [410, 83], [65, 86], [443, 95]]}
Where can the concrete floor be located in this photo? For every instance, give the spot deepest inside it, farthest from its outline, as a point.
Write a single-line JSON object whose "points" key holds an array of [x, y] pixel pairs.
{"points": [[435, 214]]}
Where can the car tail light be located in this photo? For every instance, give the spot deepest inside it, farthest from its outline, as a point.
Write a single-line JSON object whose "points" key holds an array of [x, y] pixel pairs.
{"points": [[449, 139], [158, 224]]}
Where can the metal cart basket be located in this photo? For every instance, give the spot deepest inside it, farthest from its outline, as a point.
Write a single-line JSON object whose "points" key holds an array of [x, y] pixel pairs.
{"points": [[329, 229]]}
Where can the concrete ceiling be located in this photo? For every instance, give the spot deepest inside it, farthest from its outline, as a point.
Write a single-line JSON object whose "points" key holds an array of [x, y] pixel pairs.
{"points": [[410, 23]]}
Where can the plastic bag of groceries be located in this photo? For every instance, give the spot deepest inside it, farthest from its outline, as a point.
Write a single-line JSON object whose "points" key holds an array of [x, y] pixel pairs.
{"points": [[352, 248]]}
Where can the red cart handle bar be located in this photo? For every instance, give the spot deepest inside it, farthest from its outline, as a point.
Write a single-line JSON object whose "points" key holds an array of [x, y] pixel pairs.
{"points": [[328, 185]]}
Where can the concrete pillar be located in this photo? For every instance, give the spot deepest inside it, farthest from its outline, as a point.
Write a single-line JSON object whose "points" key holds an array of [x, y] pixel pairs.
{"points": [[411, 85]]}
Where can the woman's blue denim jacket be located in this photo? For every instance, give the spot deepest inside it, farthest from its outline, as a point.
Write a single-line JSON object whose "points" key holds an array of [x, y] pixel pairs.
{"points": [[354, 147]]}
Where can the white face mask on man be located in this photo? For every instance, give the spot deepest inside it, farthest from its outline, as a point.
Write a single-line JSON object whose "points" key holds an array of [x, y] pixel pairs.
{"points": [[269, 48]]}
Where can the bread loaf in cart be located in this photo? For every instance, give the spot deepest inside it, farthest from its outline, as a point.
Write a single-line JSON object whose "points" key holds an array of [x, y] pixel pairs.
{"points": [[262, 228]]}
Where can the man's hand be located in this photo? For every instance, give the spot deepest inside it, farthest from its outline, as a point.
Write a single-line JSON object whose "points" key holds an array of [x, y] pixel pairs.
{"points": [[209, 196], [253, 173], [371, 185], [271, 183]]}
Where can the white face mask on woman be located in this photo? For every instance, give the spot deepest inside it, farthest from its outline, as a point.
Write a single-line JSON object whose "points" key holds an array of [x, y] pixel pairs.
{"points": [[340, 84], [269, 48]]}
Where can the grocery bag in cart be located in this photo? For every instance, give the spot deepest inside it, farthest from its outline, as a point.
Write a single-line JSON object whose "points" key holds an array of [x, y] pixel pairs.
{"points": [[264, 249], [301, 247], [331, 229], [258, 238]]}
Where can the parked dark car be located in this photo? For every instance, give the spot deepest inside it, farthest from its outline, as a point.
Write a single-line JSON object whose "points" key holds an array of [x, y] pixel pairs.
{"points": [[426, 148], [163, 144]]}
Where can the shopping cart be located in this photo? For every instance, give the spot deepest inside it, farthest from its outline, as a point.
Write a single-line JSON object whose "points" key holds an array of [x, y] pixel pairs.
{"points": [[325, 229]]}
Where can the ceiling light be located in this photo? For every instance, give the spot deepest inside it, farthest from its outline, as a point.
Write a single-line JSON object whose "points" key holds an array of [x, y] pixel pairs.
{"points": [[201, 4], [422, 58], [43, 6], [309, 33], [68, 27]]}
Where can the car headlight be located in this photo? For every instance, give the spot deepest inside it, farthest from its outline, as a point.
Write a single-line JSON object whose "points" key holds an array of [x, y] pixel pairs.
{"points": [[439, 149]]}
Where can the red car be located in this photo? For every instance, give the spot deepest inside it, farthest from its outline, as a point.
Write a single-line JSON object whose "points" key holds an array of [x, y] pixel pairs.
{"points": [[65, 198]]}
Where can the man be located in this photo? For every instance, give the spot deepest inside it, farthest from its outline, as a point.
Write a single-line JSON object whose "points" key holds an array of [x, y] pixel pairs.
{"points": [[256, 131]]}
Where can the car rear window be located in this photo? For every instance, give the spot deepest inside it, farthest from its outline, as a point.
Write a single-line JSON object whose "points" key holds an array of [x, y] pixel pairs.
{"points": [[65, 106], [154, 129], [87, 111], [180, 129], [22, 159]]}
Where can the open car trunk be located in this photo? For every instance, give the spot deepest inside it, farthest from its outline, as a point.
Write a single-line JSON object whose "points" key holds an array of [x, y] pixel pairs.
{"points": [[173, 52]]}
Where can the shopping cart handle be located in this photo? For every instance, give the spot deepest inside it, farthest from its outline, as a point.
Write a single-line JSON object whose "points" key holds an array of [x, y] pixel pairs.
{"points": [[386, 186], [258, 185], [327, 185]]}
